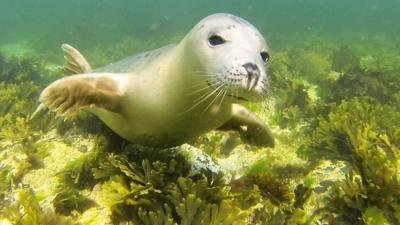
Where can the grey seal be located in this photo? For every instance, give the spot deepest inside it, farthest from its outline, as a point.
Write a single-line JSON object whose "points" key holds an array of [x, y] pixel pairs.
{"points": [[172, 95]]}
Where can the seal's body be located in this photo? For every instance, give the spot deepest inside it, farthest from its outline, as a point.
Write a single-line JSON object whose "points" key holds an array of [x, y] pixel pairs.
{"points": [[172, 95], [155, 106]]}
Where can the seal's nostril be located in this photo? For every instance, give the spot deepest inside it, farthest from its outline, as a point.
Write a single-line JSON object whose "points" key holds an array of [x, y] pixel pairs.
{"points": [[251, 69], [253, 75]]}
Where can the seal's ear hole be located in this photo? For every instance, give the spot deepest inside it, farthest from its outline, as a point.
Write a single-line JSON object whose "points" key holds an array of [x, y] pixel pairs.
{"points": [[265, 56], [215, 40]]}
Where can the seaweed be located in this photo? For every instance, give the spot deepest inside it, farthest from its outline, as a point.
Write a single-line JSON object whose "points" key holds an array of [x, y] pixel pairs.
{"points": [[289, 213], [366, 137], [5, 183], [156, 193], [21, 142], [275, 188], [381, 87], [270, 198], [346, 60], [374, 216], [68, 200], [24, 208], [331, 103], [210, 143], [78, 173], [292, 95], [143, 189], [25, 69], [383, 61], [353, 119], [310, 64], [76, 176], [18, 99], [16, 133], [306, 81], [293, 106]]}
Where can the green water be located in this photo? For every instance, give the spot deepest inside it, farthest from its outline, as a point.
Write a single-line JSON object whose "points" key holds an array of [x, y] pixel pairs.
{"points": [[45, 24], [333, 107]]}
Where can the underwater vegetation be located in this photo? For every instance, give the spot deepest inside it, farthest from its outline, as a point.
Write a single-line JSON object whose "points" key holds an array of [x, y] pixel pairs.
{"points": [[333, 108], [349, 114], [366, 137]]}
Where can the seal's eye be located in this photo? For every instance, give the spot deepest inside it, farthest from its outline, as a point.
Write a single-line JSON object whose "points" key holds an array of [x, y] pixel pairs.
{"points": [[215, 40], [265, 56]]}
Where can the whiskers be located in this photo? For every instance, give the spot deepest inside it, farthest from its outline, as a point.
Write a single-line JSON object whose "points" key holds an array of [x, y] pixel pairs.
{"points": [[210, 90], [215, 98], [206, 96]]}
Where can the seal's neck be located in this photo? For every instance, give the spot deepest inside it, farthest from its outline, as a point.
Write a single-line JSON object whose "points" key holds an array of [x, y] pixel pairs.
{"points": [[193, 91], [186, 64]]}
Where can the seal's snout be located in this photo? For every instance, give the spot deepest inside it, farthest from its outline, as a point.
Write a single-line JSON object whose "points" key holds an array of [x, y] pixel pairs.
{"points": [[253, 75], [252, 70]]}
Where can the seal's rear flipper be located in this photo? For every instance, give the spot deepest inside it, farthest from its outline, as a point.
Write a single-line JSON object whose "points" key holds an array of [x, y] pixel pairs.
{"points": [[75, 63], [70, 94]]}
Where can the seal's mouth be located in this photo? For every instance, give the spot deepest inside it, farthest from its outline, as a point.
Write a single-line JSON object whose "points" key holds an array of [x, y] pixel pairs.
{"points": [[239, 98]]}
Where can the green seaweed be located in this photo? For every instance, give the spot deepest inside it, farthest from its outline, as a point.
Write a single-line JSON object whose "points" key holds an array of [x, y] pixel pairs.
{"points": [[25, 69], [69, 200], [270, 198], [295, 213], [382, 87], [5, 183], [20, 141], [365, 136], [18, 99], [78, 173], [156, 193], [329, 102], [374, 216], [25, 209]]}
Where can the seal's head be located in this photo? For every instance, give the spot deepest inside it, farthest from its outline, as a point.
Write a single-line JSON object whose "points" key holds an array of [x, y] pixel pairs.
{"points": [[231, 54]]}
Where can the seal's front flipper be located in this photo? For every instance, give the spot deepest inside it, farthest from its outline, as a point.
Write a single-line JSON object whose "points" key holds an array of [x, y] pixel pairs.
{"points": [[75, 63], [70, 94], [40, 110], [252, 129]]}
